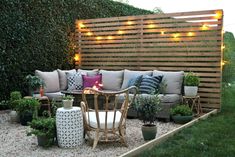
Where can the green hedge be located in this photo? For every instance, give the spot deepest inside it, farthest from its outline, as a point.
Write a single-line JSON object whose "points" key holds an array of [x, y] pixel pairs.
{"points": [[34, 35]]}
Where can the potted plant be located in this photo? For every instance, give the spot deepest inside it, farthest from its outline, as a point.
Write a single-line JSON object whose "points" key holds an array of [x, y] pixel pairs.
{"points": [[44, 129], [147, 108], [191, 83], [181, 114], [67, 101], [27, 108], [34, 83], [15, 97]]}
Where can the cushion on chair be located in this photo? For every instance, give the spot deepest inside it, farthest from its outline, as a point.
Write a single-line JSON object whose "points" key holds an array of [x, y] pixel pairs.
{"points": [[112, 80], [129, 74], [173, 81], [50, 79], [150, 84], [63, 78], [93, 122]]}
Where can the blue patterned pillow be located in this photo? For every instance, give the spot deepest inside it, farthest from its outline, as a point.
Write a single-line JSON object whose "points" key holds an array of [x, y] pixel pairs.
{"points": [[150, 84], [135, 81], [75, 81]]}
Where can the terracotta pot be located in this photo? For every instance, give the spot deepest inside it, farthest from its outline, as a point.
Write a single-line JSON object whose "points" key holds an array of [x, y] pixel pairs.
{"points": [[149, 131]]}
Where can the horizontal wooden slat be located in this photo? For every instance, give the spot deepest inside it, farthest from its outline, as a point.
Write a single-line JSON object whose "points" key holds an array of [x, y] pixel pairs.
{"points": [[151, 16], [149, 43]]}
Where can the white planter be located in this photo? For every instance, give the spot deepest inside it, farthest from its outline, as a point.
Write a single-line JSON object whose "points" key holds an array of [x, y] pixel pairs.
{"points": [[190, 90], [14, 118], [68, 104]]}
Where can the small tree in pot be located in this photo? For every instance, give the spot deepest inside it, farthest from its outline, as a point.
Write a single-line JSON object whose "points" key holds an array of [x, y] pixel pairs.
{"points": [[191, 83], [147, 108], [45, 130]]}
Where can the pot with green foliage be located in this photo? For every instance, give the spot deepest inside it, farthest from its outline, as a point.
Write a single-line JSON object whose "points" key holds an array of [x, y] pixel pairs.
{"points": [[147, 108], [191, 83], [27, 109], [181, 114], [15, 97], [67, 101], [44, 129], [34, 83]]}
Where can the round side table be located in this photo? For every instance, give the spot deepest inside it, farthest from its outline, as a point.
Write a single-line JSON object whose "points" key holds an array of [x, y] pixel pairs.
{"points": [[69, 126]]}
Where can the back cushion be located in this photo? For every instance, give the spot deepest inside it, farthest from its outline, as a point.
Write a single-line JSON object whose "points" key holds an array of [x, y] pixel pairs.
{"points": [[129, 74], [172, 81], [50, 79], [150, 84], [112, 80], [63, 78]]}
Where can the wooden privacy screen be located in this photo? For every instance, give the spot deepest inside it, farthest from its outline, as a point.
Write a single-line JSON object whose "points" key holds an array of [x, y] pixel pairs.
{"points": [[188, 41]]}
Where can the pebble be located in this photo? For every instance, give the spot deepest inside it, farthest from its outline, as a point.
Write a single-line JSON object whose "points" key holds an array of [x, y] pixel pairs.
{"points": [[15, 142]]}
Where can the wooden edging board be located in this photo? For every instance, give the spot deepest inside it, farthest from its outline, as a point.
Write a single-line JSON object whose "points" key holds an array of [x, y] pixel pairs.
{"points": [[164, 137]]}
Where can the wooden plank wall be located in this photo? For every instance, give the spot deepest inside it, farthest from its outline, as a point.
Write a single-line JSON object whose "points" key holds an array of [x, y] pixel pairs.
{"points": [[188, 41]]}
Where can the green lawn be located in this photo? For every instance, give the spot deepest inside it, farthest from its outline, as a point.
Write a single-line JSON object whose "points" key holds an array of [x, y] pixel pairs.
{"points": [[213, 137]]}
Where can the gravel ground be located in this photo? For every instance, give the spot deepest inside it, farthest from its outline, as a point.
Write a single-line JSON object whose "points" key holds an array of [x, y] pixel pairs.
{"points": [[14, 142]]}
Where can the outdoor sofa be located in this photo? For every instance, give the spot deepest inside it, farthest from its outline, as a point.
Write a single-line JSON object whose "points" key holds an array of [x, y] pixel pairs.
{"points": [[56, 81]]}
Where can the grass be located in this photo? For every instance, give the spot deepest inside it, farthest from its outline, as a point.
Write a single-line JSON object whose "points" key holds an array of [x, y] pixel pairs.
{"points": [[213, 137]]}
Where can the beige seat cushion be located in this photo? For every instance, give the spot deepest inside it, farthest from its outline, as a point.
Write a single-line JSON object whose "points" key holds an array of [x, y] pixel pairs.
{"points": [[93, 122], [111, 80], [50, 79]]}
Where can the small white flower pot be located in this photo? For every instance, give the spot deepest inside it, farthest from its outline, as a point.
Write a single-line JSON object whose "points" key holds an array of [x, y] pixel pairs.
{"points": [[68, 104], [190, 90]]}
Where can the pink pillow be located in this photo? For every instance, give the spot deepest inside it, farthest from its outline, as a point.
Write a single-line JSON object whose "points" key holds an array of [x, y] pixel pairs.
{"points": [[90, 81]]}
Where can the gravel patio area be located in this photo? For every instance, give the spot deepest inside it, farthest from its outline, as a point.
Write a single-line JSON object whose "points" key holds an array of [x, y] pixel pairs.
{"points": [[15, 142]]}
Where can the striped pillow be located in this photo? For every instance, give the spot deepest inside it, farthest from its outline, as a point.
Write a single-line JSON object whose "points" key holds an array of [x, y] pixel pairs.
{"points": [[150, 84]]}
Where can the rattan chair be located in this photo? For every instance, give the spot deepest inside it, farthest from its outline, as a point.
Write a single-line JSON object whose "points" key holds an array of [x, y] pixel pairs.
{"points": [[105, 115]]}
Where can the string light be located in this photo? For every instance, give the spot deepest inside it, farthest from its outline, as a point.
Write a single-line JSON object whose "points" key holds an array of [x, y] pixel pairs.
{"points": [[76, 57], [176, 35], [162, 32], [151, 26], [190, 33], [224, 62], [110, 37], [98, 38], [81, 25], [89, 33], [218, 14], [223, 47], [204, 27], [120, 32], [129, 22]]}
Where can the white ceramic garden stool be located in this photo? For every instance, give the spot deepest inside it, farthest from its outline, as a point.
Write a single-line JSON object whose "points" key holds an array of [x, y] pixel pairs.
{"points": [[69, 126]]}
